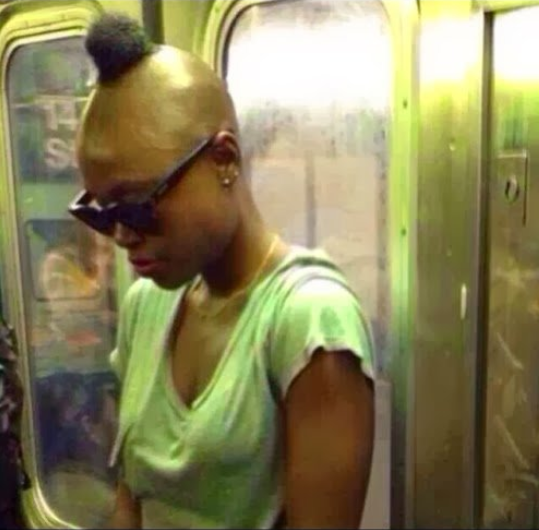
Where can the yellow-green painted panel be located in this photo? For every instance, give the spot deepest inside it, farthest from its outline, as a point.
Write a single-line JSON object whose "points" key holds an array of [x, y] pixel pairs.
{"points": [[184, 23], [132, 8]]}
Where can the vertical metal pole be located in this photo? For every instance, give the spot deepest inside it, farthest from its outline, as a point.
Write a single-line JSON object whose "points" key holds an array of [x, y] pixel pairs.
{"points": [[152, 18]]}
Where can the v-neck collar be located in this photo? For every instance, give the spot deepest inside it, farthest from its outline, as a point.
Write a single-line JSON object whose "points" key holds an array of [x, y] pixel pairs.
{"points": [[245, 314]]}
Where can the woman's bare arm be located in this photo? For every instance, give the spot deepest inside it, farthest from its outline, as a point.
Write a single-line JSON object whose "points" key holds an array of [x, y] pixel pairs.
{"points": [[329, 431], [126, 512]]}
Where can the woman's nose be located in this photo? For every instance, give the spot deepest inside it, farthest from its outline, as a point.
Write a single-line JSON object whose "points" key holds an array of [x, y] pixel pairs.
{"points": [[125, 237]]}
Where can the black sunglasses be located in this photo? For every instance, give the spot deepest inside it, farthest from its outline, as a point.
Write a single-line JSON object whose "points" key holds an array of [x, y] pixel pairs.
{"points": [[138, 216]]}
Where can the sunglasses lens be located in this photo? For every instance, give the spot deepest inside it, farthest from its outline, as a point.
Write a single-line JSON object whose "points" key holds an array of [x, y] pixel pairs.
{"points": [[138, 217], [95, 219]]}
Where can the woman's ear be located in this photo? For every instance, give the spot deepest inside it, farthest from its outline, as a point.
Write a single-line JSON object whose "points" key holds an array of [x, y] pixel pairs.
{"points": [[225, 149]]}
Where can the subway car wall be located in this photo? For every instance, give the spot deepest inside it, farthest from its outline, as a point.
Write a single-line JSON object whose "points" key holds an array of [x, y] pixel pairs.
{"points": [[397, 135]]}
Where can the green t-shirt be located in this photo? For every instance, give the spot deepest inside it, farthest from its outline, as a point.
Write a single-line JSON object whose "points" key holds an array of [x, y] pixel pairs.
{"points": [[217, 464]]}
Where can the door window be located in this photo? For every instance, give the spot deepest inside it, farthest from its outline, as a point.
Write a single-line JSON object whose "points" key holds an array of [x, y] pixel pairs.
{"points": [[312, 83], [69, 289]]}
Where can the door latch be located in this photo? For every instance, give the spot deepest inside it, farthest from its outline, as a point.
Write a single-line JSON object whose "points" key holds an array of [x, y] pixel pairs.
{"points": [[512, 176]]}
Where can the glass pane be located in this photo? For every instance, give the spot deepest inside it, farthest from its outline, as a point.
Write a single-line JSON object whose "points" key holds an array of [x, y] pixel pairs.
{"points": [[68, 283], [312, 82]]}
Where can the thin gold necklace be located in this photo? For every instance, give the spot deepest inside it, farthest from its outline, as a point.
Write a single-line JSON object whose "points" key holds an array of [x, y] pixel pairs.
{"points": [[196, 287]]}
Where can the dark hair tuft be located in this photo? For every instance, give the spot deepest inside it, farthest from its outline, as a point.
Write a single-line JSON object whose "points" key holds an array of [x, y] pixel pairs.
{"points": [[116, 43]]}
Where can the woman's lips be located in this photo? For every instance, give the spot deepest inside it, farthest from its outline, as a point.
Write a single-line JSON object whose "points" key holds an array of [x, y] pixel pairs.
{"points": [[145, 267]]}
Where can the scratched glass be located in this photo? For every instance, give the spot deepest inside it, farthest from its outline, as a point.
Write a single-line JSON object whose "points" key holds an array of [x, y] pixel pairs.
{"points": [[312, 82], [68, 281], [315, 130]]}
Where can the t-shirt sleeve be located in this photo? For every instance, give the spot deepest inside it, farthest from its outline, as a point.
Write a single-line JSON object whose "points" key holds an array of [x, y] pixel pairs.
{"points": [[321, 313]]}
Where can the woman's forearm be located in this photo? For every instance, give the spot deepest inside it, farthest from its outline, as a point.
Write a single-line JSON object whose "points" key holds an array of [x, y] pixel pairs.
{"points": [[127, 513]]}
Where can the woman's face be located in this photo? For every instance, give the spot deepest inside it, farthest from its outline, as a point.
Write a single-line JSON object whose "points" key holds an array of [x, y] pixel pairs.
{"points": [[195, 219]]}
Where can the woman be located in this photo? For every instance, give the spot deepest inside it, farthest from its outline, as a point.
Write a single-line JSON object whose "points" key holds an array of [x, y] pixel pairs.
{"points": [[245, 362]]}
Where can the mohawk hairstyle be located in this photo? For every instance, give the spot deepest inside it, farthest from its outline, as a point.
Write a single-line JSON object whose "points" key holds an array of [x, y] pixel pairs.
{"points": [[116, 42]]}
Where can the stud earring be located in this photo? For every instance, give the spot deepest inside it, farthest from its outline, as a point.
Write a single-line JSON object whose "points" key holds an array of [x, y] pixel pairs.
{"points": [[227, 181]]}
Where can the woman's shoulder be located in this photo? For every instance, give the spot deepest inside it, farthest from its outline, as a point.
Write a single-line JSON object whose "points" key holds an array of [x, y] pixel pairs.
{"points": [[303, 265]]}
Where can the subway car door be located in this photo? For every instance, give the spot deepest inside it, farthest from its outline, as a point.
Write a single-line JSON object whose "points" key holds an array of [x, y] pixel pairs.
{"points": [[58, 280], [511, 443]]}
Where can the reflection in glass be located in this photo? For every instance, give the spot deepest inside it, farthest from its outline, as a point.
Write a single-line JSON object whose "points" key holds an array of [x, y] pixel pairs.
{"points": [[312, 83], [68, 282]]}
